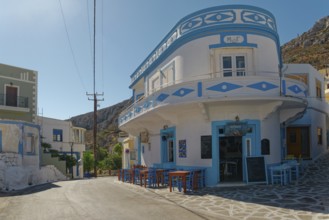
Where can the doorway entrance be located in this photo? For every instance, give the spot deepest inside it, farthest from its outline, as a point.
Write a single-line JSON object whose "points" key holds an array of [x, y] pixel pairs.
{"points": [[298, 142], [230, 154]]}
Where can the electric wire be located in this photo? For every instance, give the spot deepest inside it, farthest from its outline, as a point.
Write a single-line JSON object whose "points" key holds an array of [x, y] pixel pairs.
{"points": [[71, 49], [90, 40], [102, 46]]}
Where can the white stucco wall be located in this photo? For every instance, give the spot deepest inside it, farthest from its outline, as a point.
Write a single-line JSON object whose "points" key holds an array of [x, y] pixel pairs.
{"points": [[270, 129], [48, 124]]}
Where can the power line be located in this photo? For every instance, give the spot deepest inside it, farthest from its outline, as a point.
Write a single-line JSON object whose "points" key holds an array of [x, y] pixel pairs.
{"points": [[71, 49], [91, 47]]}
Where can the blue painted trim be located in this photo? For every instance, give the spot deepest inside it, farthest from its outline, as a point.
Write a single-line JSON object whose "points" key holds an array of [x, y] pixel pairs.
{"points": [[20, 123], [163, 144], [0, 140], [215, 125], [209, 27], [205, 33], [199, 89], [284, 89]]}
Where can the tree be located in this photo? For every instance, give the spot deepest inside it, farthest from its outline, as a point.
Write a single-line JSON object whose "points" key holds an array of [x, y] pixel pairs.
{"points": [[45, 146], [88, 161], [118, 149]]}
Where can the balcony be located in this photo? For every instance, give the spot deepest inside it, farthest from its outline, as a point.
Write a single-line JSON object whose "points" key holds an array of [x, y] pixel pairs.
{"points": [[17, 102], [260, 87]]}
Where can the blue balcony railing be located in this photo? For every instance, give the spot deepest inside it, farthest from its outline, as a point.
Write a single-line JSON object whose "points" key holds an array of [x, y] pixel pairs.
{"points": [[19, 101]]}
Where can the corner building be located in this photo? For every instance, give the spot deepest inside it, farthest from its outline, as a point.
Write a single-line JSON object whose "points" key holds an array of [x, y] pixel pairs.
{"points": [[215, 89]]}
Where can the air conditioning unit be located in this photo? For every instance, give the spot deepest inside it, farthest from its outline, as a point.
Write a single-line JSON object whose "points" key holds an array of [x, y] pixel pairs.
{"points": [[144, 137]]}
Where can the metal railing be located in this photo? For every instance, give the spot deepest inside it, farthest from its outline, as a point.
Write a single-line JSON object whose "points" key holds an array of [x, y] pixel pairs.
{"points": [[21, 102]]}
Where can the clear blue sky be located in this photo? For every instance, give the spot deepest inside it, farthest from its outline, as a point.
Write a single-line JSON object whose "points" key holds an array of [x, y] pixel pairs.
{"points": [[33, 36]]}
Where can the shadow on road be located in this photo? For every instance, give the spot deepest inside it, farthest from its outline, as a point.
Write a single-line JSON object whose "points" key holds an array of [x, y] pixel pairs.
{"points": [[30, 190]]}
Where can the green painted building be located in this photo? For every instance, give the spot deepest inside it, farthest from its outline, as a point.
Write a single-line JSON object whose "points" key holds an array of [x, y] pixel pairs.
{"points": [[18, 93]]}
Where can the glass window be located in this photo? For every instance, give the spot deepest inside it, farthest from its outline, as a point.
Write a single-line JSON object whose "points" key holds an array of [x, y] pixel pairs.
{"points": [[234, 66], [227, 66], [206, 147], [240, 66], [319, 136], [170, 149], [57, 135], [318, 89]]}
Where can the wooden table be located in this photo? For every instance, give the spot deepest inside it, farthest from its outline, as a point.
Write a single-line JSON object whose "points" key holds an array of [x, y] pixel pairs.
{"points": [[180, 173], [143, 175]]}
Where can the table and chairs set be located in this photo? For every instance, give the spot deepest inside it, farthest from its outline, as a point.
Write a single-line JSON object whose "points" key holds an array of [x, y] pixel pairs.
{"points": [[285, 172], [184, 179]]}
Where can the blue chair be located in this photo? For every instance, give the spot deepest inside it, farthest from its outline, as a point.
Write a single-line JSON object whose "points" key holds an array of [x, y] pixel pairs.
{"points": [[126, 175], [136, 176], [202, 178], [151, 177], [190, 181], [294, 168], [280, 174]]}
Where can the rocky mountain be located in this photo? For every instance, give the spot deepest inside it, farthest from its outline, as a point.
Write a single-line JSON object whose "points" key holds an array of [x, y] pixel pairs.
{"points": [[107, 124], [311, 47]]}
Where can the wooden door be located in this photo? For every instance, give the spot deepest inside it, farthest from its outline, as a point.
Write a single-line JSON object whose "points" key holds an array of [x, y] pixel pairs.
{"points": [[298, 141], [11, 96]]}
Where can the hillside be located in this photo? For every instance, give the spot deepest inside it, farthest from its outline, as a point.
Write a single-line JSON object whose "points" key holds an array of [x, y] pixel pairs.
{"points": [[107, 124], [311, 47]]}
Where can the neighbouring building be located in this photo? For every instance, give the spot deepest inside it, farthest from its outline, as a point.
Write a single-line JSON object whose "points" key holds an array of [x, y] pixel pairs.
{"points": [[67, 140], [20, 138], [215, 90], [18, 93], [19, 135]]}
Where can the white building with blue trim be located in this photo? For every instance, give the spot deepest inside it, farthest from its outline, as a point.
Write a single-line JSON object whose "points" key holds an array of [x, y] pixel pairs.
{"points": [[215, 89]]}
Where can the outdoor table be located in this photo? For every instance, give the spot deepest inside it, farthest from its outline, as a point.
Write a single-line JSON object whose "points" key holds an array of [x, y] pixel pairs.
{"points": [[179, 173], [143, 175]]}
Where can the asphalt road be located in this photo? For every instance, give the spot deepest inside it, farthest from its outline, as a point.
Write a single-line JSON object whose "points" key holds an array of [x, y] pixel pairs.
{"points": [[90, 199]]}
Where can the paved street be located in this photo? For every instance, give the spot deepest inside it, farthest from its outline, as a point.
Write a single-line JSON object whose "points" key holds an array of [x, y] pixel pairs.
{"points": [[108, 198], [99, 198]]}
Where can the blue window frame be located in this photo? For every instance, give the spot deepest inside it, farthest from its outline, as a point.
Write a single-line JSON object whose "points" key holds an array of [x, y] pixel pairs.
{"points": [[168, 145], [58, 135]]}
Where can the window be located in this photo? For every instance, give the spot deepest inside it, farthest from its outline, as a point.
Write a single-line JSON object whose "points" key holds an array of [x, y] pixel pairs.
{"points": [[57, 135], [227, 66], [206, 147], [234, 66], [248, 145], [30, 144], [319, 132], [161, 78], [167, 74], [318, 89], [170, 150]]}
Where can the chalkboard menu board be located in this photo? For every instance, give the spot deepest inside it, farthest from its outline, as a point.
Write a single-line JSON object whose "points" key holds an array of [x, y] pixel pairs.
{"points": [[256, 170]]}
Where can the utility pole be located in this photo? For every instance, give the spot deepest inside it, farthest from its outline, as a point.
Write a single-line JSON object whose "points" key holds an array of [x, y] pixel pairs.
{"points": [[95, 96]]}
